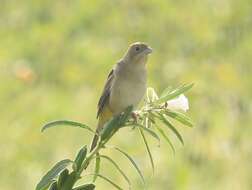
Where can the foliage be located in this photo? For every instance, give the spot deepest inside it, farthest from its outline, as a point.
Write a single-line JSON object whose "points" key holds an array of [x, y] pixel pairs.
{"points": [[155, 109], [55, 57]]}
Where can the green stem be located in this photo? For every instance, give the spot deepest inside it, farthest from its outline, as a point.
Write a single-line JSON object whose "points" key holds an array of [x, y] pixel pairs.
{"points": [[75, 176]]}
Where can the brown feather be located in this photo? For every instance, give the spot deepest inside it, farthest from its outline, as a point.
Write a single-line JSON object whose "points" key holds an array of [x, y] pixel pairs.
{"points": [[103, 112], [104, 99]]}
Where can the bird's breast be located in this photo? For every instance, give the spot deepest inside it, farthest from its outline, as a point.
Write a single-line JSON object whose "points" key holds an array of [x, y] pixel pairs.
{"points": [[127, 90]]}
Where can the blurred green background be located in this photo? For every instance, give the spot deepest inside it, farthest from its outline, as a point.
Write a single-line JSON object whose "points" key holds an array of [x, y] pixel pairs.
{"points": [[55, 56]]}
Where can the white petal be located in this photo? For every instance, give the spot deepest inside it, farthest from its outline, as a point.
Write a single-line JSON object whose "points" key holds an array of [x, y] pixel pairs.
{"points": [[179, 103]]}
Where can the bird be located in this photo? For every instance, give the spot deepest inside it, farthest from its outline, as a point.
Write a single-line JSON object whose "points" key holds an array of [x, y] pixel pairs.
{"points": [[125, 85]]}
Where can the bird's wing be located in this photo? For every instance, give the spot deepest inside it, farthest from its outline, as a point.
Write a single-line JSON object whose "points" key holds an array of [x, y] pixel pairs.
{"points": [[104, 99]]}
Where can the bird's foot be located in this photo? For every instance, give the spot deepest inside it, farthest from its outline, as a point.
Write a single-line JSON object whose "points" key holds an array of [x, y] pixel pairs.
{"points": [[135, 116]]}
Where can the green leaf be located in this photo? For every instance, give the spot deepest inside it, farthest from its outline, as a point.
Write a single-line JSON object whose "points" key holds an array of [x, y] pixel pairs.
{"points": [[165, 137], [97, 166], [66, 122], [166, 91], [80, 157], [174, 130], [85, 187], [149, 131], [148, 149], [180, 117], [52, 174], [174, 93], [114, 124], [110, 128], [118, 168], [53, 186], [108, 180], [151, 95], [126, 114], [62, 178], [133, 163], [148, 122], [151, 118], [69, 183]]}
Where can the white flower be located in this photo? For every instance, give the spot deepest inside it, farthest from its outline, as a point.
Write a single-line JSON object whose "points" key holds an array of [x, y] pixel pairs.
{"points": [[179, 103]]}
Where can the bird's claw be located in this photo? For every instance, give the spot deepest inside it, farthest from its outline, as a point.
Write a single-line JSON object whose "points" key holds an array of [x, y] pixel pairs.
{"points": [[135, 116]]}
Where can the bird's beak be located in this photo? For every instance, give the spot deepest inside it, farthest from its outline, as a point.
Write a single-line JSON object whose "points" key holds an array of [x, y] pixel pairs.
{"points": [[148, 50]]}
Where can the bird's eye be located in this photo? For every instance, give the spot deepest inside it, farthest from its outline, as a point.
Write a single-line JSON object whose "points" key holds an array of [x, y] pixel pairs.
{"points": [[137, 48]]}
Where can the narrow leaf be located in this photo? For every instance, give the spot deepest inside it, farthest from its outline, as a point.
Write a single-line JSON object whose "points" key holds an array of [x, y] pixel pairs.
{"points": [[148, 149], [174, 130], [165, 137], [110, 128], [53, 186], [97, 166], [126, 114], [85, 187], [132, 162], [166, 91], [151, 95], [80, 157], [64, 123], [69, 183], [147, 122], [108, 180], [174, 93], [52, 174], [118, 168], [62, 178], [114, 124], [180, 117], [149, 131]]}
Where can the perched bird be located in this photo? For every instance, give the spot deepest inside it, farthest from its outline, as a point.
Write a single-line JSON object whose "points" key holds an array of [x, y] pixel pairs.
{"points": [[125, 85]]}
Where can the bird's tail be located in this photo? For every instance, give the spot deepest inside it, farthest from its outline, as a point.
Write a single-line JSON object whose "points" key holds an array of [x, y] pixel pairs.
{"points": [[94, 142], [104, 116], [96, 136]]}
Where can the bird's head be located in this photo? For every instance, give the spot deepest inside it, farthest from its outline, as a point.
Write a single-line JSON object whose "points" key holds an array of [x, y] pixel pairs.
{"points": [[137, 52]]}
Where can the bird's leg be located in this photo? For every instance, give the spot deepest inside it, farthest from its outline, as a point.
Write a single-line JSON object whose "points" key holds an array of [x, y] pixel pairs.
{"points": [[135, 116]]}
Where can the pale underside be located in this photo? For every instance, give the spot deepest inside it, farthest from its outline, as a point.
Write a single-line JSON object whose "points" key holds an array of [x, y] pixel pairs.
{"points": [[125, 86]]}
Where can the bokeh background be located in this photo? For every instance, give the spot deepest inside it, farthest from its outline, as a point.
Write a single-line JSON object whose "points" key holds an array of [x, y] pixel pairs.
{"points": [[54, 58]]}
